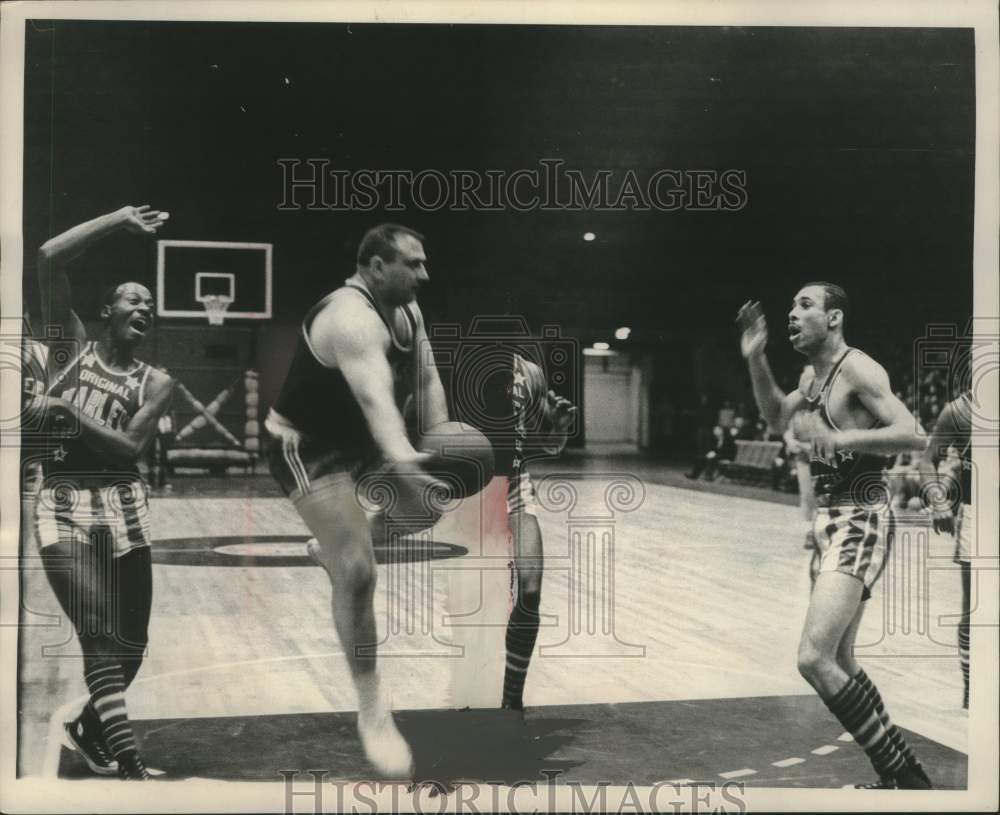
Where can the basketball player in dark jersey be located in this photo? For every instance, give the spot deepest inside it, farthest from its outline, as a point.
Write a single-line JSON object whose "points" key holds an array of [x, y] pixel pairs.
{"points": [[954, 429], [541, 422], [338, 417], [845, 409], [91, 516]]}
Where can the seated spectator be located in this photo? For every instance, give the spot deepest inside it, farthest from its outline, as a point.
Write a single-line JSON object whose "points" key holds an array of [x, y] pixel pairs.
{"points": [[710, 461], [704, 421], [726, 414], [744, 430]]}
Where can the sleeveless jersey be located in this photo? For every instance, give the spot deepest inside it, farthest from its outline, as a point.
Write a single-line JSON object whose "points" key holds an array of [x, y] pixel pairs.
{"points": [[318, 401], [528, 391], [110, 398], [849, 477]]}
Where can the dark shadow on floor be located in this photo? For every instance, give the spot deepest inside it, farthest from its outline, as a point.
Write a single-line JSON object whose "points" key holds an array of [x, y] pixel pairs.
{"points": [[641, 743], [284, 550]]}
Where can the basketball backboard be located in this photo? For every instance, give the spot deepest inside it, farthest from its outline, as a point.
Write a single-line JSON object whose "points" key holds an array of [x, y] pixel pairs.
{"points": [[190, 272]]}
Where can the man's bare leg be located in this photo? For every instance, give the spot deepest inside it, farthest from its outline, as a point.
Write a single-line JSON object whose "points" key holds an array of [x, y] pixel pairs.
{"points": [[847, 661], [825, 649], [343, 547], [522, 627]]}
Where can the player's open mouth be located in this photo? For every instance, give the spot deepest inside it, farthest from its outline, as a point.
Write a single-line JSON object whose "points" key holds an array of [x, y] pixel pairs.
{"points": [[793, 331], [139, 325]]}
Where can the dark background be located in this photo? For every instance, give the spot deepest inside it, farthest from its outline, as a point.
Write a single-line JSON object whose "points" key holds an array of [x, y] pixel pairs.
{"points": [[858, 145]]}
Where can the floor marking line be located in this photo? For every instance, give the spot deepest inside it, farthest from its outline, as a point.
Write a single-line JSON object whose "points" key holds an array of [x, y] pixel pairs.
{"points": [[845, 737], [788, 762], [738, 773], [825, 750]]}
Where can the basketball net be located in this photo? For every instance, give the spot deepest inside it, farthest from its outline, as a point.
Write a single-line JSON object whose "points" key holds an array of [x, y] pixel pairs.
{"points": [[215, 307]]}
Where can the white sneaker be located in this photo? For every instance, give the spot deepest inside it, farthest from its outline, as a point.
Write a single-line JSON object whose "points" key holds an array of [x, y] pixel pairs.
{"points": [[384, 745]]}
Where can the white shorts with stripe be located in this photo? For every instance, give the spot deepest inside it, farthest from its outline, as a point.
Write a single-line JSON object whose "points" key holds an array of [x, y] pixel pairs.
{"points": [[965, 534], [118, 513], [853, 540]]}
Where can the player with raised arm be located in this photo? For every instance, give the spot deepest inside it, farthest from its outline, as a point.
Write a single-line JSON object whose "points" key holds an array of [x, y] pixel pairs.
{"points": [[339, 417], [847, 413], [102, 406]]}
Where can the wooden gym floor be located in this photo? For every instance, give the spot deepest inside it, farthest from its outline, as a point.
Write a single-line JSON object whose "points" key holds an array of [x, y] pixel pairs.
{"points": [[667, 650]]}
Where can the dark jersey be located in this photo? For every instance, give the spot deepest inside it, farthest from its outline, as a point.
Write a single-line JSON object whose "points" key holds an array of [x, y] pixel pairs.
{"points": [[318, 401], [848, 477], [111, 398]]}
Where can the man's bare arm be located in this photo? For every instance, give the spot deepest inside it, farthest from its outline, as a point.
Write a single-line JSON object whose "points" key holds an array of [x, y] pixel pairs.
{"points": [[900, 431], [952, 427], [432, 407], [55, 253], [123, 446], [559, 416], [355, 338], [775, 405]]}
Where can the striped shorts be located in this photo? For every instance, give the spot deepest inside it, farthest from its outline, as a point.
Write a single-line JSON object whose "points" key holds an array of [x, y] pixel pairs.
{"points": [[521, 494], [68, 513], [853, 540]]}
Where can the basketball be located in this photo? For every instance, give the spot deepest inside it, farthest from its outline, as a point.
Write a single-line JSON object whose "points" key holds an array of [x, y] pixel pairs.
{"points": [[461, 456], [402, 495]]}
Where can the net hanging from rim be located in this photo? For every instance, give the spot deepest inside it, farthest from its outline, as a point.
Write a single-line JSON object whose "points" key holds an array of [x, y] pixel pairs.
{"points": [[215, 307]]}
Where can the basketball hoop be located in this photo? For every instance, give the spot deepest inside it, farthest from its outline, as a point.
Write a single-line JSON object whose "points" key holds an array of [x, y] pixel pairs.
{"points": [[215, 306]]}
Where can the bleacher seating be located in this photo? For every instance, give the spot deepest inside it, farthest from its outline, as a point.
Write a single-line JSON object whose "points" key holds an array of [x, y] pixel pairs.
{"points": [[753, 462]]}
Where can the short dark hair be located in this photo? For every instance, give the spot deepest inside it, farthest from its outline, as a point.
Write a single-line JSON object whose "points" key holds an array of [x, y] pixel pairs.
{"points": [[111, 294], [833, 296], [380, 240]]}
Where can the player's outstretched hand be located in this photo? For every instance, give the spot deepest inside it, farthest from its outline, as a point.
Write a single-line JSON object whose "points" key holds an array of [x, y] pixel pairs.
{"points": [[943, 522], [560, 412], [753, 328], [143, 220], [414, 466]]}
